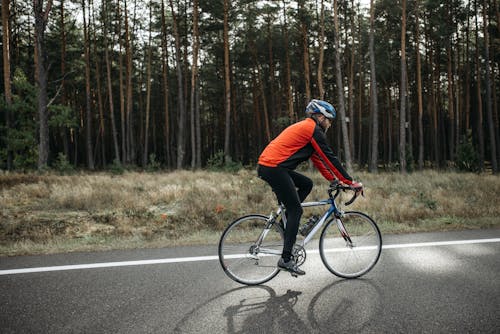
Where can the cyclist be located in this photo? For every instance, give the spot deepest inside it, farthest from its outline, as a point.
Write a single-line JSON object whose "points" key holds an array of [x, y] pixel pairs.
{"points": [[299, 142]]}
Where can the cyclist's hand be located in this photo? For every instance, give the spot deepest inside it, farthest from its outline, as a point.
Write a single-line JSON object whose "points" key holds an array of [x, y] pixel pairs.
{"points": [[334, 183], [357, 187]]}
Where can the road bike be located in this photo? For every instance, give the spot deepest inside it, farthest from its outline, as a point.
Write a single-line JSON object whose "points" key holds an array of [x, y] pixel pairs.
{"points": [[350, 242]]}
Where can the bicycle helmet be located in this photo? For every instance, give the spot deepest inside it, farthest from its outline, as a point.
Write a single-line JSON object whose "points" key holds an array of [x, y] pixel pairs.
{"points": [[323, 107]]}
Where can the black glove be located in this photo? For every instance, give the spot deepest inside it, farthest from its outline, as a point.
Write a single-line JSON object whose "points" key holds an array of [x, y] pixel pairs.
{"points": [[357, 187]]}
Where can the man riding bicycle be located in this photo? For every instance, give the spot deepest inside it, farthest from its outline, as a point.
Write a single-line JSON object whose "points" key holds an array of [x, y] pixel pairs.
{"points": [[297, 143]]}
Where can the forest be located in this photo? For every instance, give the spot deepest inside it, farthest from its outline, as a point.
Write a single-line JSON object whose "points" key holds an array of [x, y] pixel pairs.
{"points": [[189, 84]]}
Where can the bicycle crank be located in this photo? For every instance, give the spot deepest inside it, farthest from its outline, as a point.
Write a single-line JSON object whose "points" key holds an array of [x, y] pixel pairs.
{"points": [[299, 254]]}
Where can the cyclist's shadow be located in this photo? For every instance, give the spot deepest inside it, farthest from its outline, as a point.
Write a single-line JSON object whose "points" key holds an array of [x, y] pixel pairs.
{"points": [[275, 314], [345, 305], [248, 309]]}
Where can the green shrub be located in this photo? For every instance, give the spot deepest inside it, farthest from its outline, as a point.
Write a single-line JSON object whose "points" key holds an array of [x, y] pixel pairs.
{"points": [[217, 163], [62, 164], [427, 201], [117, 167], [153, 164], [467, 158], [20, 138]]}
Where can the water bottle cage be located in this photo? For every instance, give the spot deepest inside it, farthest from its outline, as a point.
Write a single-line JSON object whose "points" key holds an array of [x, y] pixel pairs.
{"points": [[304, 230]]}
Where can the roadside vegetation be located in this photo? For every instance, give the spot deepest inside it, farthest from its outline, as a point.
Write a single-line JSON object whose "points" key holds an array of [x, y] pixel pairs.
{"points": [[49, 213]]}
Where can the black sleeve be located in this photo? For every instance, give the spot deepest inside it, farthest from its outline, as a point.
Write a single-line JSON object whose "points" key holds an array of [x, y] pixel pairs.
{"points": [[320, 138]]}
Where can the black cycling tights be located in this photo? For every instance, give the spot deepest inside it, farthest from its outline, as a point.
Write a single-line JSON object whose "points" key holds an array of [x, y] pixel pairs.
{"points": [[291, 188]]}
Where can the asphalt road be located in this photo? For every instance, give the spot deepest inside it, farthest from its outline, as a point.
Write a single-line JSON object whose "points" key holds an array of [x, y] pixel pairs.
{"points": [[415, 288]]}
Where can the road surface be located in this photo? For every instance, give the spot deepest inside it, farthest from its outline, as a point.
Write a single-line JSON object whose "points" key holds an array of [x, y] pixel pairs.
{"points": [[423, 283]]}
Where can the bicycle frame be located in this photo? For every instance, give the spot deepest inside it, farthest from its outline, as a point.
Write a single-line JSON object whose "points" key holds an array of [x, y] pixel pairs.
{"points": [[348, 263], [331, 210]]}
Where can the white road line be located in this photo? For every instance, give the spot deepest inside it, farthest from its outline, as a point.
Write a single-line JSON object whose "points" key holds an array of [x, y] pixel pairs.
{"points": [[442, 243], [107, 265], [215, 257]]}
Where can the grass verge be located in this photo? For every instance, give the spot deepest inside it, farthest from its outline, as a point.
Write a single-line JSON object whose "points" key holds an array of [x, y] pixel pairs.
{"points": [[51, 213]]}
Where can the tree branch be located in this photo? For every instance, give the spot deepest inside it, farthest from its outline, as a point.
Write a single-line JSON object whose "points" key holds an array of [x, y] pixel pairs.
{"points": [[47, 11], [59, 89]]}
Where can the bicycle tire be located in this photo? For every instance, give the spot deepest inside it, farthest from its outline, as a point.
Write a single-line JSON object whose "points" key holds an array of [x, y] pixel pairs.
{"points": [[350, 260], [241, 259]]}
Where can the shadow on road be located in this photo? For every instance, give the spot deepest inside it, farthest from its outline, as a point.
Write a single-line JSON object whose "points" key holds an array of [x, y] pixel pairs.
{"points": [[342, 305]]}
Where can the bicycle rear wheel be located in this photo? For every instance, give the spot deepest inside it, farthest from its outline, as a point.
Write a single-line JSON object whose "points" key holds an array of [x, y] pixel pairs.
{"points": [[248, 252], [350, 246]]}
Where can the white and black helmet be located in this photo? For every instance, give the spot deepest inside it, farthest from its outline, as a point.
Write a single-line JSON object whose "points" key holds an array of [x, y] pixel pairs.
{"points": [[323, 107]]}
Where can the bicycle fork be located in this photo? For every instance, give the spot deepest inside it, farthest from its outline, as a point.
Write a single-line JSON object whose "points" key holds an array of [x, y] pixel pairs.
{"points": [[344, 233], [255, 248]]}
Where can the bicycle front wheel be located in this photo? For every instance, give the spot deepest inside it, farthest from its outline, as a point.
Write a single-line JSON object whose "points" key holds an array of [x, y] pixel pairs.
{"points": [[249, 249], [350, 246]]}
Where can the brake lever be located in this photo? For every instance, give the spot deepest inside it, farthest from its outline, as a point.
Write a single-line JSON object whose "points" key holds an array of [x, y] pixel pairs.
{"points": [[349, 202], [355, 196]]}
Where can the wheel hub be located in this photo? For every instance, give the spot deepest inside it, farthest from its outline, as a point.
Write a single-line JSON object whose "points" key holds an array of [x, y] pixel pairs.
{"points": [[253, 251]]}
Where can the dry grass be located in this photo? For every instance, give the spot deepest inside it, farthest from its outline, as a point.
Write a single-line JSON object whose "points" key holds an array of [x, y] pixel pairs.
{"points": [[52, 213]]}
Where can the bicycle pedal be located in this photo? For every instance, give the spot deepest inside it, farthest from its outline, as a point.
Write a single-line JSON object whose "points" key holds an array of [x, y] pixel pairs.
{"points": [[294, 275]]}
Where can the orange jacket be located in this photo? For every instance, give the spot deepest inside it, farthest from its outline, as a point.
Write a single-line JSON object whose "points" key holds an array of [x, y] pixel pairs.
{"points": [[299, 142]]}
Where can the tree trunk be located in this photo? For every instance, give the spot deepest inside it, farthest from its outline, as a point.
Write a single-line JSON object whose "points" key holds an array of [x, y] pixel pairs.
{"points": [[438, 143], [227, 80], [141, 82], [257, 113], [6, 74], [101, 133], [340, 92], [497, 12], [186, 66], [165, 85], [305, 51], [451, 105], [288, 88], [110, 84], [373, 93], [361, 85], [321, 89], [123, 120], [195, 121], [457, 95], [390, 109], [131, 154], [198, 124], [479, 97], [148, 92], [467, 73], [402, 113], [351, 85], [419, 91], [64, 130], [181, 147], [271, 67], [261, 90], [88, 108], [35, 54], [41, 19], [489, 111], [495, 111]]}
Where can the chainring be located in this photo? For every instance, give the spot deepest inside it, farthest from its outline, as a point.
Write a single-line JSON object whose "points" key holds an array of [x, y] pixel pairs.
{"points": [[299, 254]]}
